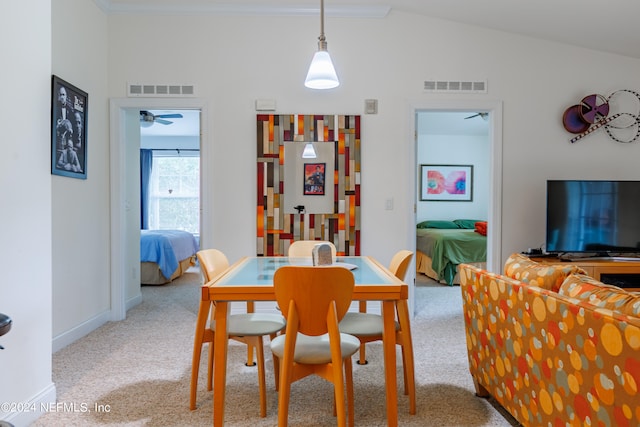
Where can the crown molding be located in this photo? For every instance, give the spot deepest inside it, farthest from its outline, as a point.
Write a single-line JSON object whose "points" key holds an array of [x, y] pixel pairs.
{"points": [[104, 5], [341, 11]]}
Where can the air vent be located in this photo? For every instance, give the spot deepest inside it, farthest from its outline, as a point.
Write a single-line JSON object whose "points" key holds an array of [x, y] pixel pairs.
{"points": [[457, 86], [151, 90]]}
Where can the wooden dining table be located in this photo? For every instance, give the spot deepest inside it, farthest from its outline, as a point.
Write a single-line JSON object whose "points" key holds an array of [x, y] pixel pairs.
{"points": [[251, 279]]}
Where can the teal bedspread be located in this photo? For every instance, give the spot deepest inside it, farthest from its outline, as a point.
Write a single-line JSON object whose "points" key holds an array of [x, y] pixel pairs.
{"points": [[449, 247]]}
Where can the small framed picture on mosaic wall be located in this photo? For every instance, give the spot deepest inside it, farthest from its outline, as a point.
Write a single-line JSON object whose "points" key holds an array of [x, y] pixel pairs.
{"points": [[314, 179]]}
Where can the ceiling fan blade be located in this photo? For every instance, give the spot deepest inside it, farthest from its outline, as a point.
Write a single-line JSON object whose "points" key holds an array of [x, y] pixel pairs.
{"points": [[162, 121], [169, 116], [471, 117]]}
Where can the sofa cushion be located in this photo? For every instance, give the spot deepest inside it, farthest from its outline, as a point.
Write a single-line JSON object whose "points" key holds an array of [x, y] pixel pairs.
{"points": [[601, 295], [546, 276]]}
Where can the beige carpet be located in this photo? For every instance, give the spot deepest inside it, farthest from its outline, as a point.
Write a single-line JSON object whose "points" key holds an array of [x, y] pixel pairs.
{"points": [[136, 372]]}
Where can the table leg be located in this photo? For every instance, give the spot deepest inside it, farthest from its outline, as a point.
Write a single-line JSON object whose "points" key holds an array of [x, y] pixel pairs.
{"points": [[220, 362], [407, 355], [198, 341], [250, 309], [389, 348]]}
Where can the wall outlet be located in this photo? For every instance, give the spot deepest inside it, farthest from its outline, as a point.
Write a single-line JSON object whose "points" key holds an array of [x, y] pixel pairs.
{"points": [[388, 204]]}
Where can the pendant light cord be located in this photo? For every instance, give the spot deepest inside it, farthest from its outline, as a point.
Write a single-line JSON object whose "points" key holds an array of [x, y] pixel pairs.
{"points": [[322, 42]]}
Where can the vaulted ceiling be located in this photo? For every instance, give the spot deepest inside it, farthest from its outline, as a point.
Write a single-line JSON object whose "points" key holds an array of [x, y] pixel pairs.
{"points": [[609, 26]]}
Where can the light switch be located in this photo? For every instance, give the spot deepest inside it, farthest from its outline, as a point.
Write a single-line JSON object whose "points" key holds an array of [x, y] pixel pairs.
{"points": [[371, 106], [388, 204]]}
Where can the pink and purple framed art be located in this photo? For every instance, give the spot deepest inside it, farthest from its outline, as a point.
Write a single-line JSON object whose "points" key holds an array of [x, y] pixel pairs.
{"points": [[446, 183]]}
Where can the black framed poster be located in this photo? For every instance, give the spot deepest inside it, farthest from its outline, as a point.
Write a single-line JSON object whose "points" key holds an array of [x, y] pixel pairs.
{"points": [[68, 129]]}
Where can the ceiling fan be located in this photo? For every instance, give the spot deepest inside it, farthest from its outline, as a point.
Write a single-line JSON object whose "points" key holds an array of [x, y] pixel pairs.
{"points": [[147, 118], [483, 115]]}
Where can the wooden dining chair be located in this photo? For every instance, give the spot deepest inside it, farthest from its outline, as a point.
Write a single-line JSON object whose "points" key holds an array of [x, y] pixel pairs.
{"points": [[314, 300], [368, 327], [303, 248], [249, 328]]}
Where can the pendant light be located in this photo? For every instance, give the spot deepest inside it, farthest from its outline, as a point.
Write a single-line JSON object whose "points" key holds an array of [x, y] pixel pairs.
{"points": [[321, 74], [309, 152]]}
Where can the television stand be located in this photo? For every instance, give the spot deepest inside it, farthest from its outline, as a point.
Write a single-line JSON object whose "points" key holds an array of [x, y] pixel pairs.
{"points": [[602, 258], [623, 272]]}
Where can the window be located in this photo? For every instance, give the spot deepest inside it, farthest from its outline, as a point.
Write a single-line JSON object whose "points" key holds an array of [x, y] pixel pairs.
{"points": [[174, 202]]}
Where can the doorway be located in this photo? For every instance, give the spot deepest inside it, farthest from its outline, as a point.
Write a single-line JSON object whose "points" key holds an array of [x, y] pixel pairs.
{"points": [[494, 192], [170, 142], [125, 215]]}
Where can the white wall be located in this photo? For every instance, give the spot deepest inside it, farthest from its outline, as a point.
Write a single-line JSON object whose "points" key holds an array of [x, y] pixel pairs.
{"points": [[80, 209], [456, 150], [25, 216], [233, 60], [131, 273]]}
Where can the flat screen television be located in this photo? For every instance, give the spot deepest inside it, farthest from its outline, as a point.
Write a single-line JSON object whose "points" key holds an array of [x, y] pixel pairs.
{"points": [[597, 217]]}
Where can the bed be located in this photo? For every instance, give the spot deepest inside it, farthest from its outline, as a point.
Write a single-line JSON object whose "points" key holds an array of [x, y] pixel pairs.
{"points": [[165, 255], [442, 245]]}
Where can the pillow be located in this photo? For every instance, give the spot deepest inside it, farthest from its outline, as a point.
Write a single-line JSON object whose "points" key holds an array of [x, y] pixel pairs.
{"points": [[600, 295], [437, 224], [466, 223], [546, 276], [481, 228]]}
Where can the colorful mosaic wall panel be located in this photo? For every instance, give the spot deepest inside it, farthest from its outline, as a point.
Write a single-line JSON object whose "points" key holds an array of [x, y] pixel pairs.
{"points": [[277, 230]]}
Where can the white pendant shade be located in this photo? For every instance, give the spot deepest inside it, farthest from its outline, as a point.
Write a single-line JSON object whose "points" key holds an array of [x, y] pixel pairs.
{"points": [[322, 74], [309, 152]]}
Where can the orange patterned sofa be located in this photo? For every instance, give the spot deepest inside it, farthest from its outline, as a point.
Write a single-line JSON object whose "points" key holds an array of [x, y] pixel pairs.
{"points": [[553, 346]]}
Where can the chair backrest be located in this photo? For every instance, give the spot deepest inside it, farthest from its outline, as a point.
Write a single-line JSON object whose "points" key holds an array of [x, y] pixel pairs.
{"points": [[212, 263], [303, 248], [400, 263], [312, 291]]}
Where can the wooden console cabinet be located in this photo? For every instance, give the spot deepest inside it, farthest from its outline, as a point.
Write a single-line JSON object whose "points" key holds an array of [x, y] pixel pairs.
{"points": [[624, 274]]}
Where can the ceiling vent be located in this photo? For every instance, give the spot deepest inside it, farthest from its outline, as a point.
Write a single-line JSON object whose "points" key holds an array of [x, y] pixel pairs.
{"points": [[458, 86], [151, 90]]}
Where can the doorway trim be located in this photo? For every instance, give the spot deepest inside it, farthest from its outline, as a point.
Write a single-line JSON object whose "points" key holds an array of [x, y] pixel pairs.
{"points": [[118, 108], [494, 108]]}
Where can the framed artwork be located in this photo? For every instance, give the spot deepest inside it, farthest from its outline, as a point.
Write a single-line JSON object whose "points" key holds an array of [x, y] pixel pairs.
{"points": [[314, 179], [68, 129], [446, 183]]}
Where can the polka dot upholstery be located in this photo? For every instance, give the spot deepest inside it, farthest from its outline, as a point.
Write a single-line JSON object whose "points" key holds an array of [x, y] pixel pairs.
{"points": [[550, 359], [546, 276], [600, 295]]}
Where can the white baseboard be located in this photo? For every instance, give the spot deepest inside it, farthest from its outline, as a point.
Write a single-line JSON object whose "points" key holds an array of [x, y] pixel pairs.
{"points": [[68, 337], [72, 335], [129, 304], [40, 403]]}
